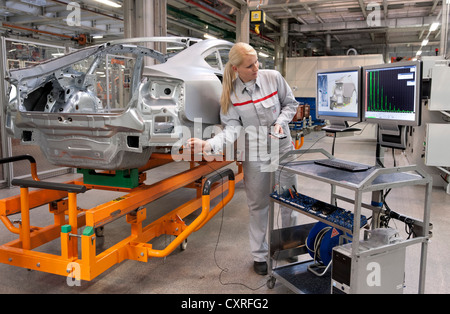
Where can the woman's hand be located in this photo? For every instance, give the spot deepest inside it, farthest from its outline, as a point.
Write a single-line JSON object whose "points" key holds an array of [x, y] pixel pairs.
{"points": [[278, 129], [198, 145]]}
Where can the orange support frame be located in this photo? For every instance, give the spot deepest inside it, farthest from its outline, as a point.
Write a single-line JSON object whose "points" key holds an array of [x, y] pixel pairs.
{"points": [[62, 201]]}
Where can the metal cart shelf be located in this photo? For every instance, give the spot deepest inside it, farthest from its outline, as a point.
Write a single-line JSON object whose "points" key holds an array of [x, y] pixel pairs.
{"points": [[375, 180]]}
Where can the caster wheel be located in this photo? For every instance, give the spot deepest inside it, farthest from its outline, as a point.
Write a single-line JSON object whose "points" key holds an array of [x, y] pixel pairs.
{"points": [[271, 282], [183, 245]]}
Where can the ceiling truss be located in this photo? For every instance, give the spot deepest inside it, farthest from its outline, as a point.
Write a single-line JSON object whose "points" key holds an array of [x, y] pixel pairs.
{"points": [[317, 27]]}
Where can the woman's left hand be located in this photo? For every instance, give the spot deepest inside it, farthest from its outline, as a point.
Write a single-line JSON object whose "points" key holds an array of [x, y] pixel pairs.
{"points": [[278, 129]]}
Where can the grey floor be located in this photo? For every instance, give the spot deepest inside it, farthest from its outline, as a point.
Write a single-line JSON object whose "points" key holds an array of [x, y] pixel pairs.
{"points": [[217, 258]]}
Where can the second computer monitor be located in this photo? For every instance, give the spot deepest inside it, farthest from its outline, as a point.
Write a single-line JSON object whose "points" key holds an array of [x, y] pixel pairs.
{"points": [[392, 99], [392, 94], [339, 96]]}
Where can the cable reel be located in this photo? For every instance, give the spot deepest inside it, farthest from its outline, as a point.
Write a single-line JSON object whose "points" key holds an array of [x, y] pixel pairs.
{"points": [[320, 242]]}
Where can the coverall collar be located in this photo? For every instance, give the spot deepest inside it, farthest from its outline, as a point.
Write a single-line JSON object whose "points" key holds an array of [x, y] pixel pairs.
{"points": [[240, 86]]}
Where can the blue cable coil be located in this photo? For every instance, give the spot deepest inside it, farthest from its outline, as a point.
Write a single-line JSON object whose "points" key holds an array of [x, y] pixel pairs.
{"points": [[328, 212], [321, 240]]}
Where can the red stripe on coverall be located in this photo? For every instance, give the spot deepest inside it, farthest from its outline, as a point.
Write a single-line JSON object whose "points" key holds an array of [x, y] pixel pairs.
{"points": [[256, 101]]}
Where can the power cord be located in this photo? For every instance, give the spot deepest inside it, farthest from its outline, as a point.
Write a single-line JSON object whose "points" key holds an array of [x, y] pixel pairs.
{"points": [[279, 182], [225, 270], [334, 137], [390, 214], [316, 245]]}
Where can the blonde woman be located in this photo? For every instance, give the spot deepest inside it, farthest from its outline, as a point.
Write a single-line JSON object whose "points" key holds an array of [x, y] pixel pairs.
{"points": [[255, 100]]}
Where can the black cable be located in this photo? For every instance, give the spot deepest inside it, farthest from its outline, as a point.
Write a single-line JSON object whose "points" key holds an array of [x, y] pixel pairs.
{"points": [[393, 157], [390, 214], [355, 124], [297, 157], [335, 135], [377, 158], [332, 146], [279, 182], [362, 128], [287, 162], [224, 270]]}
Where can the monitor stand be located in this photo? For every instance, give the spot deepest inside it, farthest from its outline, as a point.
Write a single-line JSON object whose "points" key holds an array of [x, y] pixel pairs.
{"points": [[338, 129], [391, 129], [392, 136]]}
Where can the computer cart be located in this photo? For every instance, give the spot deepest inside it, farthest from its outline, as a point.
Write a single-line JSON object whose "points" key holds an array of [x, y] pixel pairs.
{"points": [[349, 224]]}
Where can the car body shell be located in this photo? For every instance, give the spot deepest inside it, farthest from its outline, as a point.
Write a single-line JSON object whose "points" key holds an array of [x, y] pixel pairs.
{"points": [[58, 106]]}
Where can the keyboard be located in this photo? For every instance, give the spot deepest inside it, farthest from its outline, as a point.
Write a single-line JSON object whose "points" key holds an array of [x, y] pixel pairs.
{"points": [[342, 164]]}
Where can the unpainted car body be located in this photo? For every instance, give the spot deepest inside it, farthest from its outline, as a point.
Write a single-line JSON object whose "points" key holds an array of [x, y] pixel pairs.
{"points": [[101, 108]]}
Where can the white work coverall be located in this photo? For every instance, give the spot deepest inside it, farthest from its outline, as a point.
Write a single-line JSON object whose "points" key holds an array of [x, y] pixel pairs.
{"points": [[256, 107]]}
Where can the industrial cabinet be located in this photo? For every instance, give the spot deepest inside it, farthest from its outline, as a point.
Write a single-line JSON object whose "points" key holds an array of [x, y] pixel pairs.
{"points": [[292, 240]]}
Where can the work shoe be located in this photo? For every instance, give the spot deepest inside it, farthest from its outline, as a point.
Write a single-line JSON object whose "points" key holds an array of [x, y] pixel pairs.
{"points": [[260, 268]]}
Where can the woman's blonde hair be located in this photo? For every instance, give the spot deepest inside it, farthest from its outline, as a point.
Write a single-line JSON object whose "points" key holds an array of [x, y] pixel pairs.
{"points": [[235, 58]]}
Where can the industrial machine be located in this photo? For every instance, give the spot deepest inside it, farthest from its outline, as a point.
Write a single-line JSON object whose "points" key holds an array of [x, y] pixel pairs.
{"points": [[380, 271]]}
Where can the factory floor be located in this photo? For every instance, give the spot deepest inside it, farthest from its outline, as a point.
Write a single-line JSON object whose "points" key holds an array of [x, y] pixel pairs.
{"points": [[217, 259]]}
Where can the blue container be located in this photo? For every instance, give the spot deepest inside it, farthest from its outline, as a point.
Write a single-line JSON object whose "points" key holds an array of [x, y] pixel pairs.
{"points": [[312, 111]]}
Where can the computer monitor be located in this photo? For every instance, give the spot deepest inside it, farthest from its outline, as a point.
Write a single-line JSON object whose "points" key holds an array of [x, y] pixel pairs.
{"points": [[339, 97], [392, 99]]}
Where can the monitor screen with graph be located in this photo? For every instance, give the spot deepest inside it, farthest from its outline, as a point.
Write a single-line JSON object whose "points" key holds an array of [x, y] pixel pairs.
{"points": [[392, 99], [338, 96], [392, 93]]}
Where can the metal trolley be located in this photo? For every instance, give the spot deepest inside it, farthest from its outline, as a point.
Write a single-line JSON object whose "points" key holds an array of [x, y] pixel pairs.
{"points": [[292, 240]]}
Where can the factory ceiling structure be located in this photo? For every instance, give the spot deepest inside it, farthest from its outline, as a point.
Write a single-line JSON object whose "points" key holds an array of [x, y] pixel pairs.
{"points": [[316, 27]]}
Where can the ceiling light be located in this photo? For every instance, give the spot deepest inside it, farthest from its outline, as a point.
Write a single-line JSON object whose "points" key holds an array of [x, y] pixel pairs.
{"points": [[262, 54], [425, 42], [419, 53], [434, 26], [110, 3]]}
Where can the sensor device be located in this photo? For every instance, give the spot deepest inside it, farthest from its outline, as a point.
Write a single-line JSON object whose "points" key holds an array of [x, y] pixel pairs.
{"points": [[278, 135]]}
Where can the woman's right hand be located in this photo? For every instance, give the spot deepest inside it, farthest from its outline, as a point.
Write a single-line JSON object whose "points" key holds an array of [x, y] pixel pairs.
{"points": [[198, 145]]}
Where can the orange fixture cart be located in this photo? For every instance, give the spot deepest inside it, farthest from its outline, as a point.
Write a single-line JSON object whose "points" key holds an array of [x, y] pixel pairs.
{"points": [[69, 218]]}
